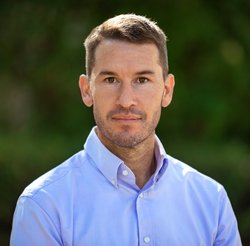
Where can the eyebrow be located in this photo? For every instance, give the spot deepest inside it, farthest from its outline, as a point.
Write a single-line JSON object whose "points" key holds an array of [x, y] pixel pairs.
{"points": [[106, 72], [143, 72]]}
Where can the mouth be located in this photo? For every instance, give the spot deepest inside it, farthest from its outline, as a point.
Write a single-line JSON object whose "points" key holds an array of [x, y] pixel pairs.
{"points": [[126, 118]]}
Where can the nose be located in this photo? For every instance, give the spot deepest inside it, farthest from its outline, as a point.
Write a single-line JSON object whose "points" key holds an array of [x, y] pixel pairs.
{"points": [[126, 97]]}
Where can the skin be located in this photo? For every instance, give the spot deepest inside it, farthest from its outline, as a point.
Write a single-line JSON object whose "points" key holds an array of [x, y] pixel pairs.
{"points": [[127, 91]]}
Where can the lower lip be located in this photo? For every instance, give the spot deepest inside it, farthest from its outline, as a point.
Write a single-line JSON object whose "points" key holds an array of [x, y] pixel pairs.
{"points": [[126, 120]]}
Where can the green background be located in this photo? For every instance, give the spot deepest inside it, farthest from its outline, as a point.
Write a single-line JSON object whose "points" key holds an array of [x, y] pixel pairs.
{"points": [[42, 118]]}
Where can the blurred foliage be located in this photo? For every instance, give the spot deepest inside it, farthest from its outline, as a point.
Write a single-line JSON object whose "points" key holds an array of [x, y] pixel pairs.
{"points": [[42, 119]]}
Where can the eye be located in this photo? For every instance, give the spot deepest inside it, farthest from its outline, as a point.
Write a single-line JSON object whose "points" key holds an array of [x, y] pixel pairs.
{"points": [[111, 80], [142, 80]]}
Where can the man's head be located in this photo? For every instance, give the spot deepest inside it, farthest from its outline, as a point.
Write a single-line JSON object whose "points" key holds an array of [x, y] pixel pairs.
{"points": [[127, 81], [130, 28]]}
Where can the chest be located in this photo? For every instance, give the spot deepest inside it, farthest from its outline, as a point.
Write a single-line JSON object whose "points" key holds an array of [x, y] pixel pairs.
{"points": [[122, 217]]}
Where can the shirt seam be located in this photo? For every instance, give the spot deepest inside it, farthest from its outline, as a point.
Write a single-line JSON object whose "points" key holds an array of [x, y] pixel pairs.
{"points": [[33, 193], [35, 202]]}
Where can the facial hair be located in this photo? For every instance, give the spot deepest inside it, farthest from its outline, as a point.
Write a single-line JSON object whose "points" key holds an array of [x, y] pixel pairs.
{"points": [[123, 137]]}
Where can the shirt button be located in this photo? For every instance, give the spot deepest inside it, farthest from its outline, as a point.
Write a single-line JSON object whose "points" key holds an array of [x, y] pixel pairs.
{"points": [[141, 195], [113, 182], [146, 239], [125, 172]]}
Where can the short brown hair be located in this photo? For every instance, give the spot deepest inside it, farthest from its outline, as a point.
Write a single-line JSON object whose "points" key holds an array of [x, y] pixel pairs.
{"points": [[131, 28]]}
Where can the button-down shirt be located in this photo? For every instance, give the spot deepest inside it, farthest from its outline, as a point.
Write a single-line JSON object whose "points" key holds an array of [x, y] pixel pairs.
{"points": [[92, 199]]}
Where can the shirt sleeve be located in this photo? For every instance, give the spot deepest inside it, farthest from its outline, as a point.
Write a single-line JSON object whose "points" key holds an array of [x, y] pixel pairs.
{"points": [[228, 233], [32, 225]]}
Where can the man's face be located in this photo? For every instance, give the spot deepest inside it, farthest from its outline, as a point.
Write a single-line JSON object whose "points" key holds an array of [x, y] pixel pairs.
{"points": [[127, 91]]}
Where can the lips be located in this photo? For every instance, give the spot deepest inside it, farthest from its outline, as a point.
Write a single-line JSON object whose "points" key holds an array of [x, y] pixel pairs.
{"points": [[126, 117]]}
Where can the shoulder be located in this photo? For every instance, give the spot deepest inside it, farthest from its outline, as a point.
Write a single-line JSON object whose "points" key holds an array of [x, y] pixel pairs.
{"points": [[57, 177], [192, 178]]}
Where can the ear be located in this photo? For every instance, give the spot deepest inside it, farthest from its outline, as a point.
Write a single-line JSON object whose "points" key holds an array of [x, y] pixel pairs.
{"points": [[84, 85], [168, 90]]}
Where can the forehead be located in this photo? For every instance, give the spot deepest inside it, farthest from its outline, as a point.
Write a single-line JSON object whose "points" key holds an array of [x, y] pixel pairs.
{"points": [[112, 54]]}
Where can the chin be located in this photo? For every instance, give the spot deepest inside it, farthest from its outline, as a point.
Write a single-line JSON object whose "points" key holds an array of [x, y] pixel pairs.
{"points": [[126, 138]]}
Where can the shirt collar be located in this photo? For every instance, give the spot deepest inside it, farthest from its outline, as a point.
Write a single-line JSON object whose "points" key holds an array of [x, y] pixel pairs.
{"points": [[105, 160], [161, 160], [109, 164]]}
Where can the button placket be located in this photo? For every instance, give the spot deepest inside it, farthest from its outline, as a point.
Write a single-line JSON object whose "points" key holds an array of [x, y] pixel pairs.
{"points": [[144, 218]]}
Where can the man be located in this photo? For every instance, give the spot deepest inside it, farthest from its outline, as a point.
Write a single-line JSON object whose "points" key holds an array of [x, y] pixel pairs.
{"points": [[123, 189]]}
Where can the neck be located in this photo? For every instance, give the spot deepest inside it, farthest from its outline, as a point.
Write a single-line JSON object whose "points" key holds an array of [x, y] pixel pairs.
{"points": [[140, 158]]}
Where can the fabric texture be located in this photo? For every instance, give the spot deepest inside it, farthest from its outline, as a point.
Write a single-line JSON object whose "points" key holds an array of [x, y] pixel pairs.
{"points": [[92, 199]]}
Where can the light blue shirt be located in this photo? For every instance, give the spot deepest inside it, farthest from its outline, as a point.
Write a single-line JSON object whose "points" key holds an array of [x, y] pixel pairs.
{"points": [[92, 199]]}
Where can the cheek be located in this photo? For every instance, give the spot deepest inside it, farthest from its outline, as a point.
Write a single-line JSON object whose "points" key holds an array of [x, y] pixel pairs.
{"points": [[102, 103], [151, 99]]}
